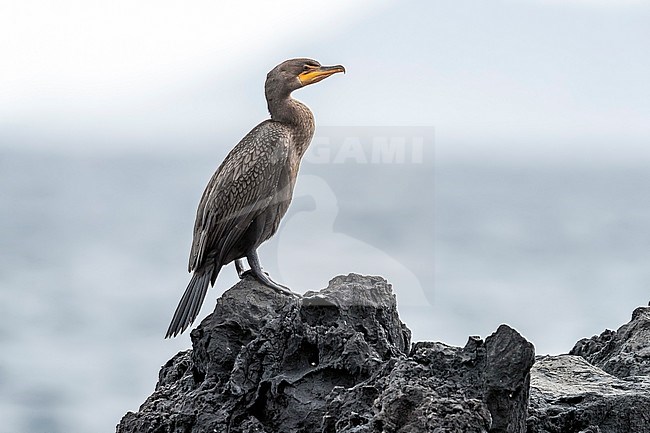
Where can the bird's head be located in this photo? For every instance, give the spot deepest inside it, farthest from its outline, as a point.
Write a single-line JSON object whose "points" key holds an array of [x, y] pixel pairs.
{"points": [[293, 74]]}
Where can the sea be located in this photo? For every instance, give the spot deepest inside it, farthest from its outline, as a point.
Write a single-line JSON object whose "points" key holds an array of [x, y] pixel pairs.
{"points": [[94, 251]]}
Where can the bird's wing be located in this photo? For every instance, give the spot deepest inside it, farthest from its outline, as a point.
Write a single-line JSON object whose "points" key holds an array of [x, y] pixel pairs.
{"points": [[244, 185]]}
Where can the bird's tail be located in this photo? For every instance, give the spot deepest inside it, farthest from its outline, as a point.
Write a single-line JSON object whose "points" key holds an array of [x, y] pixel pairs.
{"points": [[190, 304]]}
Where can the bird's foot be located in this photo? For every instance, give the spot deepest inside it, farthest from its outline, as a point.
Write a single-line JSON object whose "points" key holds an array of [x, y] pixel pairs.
{"points": [[264, 279]]}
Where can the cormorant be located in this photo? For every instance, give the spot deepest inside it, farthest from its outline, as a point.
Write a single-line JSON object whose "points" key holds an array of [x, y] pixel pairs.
{"points": [[251, 190]]}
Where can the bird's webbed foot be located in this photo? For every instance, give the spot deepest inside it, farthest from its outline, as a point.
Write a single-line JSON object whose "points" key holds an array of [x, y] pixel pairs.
{"points": [[264, 278]]}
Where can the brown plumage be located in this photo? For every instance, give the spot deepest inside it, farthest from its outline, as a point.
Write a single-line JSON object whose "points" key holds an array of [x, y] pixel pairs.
{"points": [[251, 190]]}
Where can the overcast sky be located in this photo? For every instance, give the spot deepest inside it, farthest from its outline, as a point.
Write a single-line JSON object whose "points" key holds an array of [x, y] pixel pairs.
{"points": [[537, 77]]}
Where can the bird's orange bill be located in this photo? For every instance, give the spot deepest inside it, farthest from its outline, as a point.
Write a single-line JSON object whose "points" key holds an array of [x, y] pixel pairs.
{"points": [[319, 73]]}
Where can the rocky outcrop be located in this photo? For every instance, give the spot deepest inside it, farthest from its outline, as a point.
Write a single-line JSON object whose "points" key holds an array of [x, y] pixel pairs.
{"points": [[569, 395], [438, 388], [622, 353], [602, 386], [338, 360]]}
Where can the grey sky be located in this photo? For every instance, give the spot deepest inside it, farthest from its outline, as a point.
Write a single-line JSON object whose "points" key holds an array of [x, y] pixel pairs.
{"points": [[542, 78]]}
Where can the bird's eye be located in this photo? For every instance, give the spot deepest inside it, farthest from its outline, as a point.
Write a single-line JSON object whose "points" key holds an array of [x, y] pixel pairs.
{"points": [[307, 67]]}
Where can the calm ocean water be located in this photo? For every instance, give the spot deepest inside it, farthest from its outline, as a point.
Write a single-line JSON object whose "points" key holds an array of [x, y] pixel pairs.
{"points": [[94, 251]]}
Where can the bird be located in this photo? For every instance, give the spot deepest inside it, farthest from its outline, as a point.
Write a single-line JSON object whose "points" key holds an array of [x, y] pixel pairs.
{"points": [[251, 190]]}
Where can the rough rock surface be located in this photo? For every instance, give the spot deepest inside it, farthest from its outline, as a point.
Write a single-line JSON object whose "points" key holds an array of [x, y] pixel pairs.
{"points": [[602, 386], [622, 353], [338, 360], [569, 395], [438, 388]]}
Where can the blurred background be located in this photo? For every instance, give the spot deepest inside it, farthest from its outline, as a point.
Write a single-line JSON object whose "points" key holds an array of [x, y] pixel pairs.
{"points": [[490, 159]]}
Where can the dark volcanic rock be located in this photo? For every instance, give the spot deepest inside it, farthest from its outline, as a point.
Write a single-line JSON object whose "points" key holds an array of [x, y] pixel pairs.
{"points": [[335, 361], [623, 353], [338, 361], [507, 379], [266, 362], [440, 388]]}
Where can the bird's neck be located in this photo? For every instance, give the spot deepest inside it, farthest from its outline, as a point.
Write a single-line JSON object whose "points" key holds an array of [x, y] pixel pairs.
{"points": [[297, 116], [290, 111]]}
